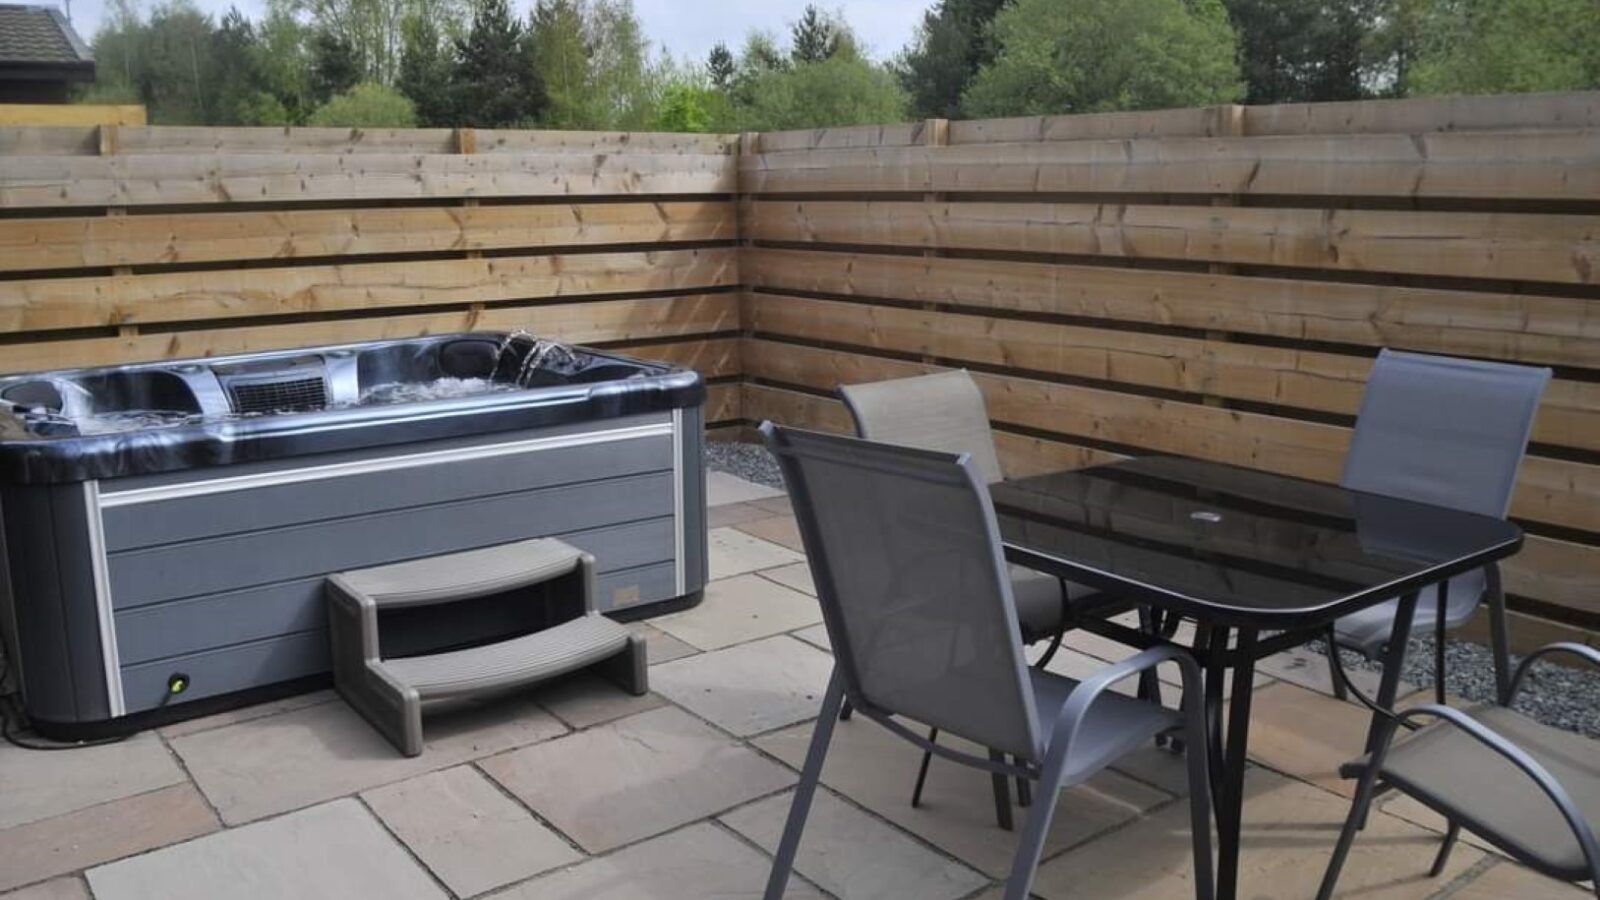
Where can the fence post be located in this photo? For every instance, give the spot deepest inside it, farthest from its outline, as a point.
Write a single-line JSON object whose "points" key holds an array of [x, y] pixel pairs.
{"points": [[1223, 121], [749, 145], [933, 133], [109, 139], [466, 144]]}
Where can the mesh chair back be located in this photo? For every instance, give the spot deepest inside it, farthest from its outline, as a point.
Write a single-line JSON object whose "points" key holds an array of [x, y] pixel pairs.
{"points": [[1451, 432], [906, 556], [943, 411]]}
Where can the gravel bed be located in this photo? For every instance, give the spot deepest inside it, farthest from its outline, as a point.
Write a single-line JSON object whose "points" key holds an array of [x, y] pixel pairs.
{"points": [[751, 462], [1556, 695]]}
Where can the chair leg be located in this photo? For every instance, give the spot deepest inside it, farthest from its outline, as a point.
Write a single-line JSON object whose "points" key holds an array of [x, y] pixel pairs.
{"points": [[810, 774], [1336, 668], [1438, 643], [1358, 816], [1002, 794], [1024, 787], [1443, 857], [1199, 770], [1031, 847], [1500, 639], [922, 770], [845, 710]]}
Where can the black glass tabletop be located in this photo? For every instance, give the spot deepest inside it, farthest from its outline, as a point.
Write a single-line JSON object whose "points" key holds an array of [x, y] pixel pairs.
{"points": [[1238, 546]]}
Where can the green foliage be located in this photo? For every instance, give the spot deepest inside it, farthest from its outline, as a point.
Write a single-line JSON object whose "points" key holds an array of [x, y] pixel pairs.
{"points": [[367, 105], [335, 65], [720, 65], [838, 91], [1303, 50], [1079, 56], [950, 46], [685, 106], [425, 73], [1496, 46], [494, 83], [592, 57]]}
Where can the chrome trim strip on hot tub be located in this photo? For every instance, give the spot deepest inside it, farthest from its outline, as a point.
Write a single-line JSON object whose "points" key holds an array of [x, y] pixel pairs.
{"points": [[300, 475], [102, 598], [680, 572]]}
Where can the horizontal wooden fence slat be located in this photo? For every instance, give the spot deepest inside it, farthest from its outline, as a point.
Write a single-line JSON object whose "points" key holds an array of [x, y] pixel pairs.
{"points": [[1197, 122], [133, 240], [588, 322], [1548, 490], [1523, 165], [716, 357], [1532, 247], [1574, 109], [1304, 379], [59, 303], [63, 181], [1553, 570], [1515, 327], [723, 402]]}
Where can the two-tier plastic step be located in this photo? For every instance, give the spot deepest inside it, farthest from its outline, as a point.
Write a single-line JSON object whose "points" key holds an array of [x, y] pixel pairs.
{"points": [[390, 692]]}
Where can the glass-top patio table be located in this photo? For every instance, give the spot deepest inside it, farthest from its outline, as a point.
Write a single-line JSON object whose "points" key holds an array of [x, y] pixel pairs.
{"points": [[1258, 562]]}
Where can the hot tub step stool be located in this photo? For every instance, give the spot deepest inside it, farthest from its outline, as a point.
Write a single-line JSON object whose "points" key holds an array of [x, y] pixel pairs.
{"points": [[390, 693]]}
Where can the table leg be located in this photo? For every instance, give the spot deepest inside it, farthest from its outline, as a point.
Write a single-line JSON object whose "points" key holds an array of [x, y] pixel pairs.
{"points": [[1215, 642], [1230, 803], [1394, 657]]}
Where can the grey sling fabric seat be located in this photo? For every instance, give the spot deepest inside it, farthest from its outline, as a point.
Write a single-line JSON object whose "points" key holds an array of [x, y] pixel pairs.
{"points": [[906, 555], [1529, 789], [1450, 432], [945, 411]]}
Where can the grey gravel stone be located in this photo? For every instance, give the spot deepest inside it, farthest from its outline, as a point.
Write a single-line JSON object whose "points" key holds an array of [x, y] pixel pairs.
{"points": [[1557, 695], [751, 462]]}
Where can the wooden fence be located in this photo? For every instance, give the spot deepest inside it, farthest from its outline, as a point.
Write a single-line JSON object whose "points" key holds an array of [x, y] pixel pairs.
{"points": [[123, 244], [1211, 282]]}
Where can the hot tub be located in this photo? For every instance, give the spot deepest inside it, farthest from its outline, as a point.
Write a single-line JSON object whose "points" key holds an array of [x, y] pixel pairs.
{"points": [[167, 527]]}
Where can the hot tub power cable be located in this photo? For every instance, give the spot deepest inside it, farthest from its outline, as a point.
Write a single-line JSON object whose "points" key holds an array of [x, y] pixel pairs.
{"points": [[13, 722]]}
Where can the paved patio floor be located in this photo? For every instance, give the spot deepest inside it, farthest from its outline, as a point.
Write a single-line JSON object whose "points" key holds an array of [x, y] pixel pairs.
{"points": [[579, 791]]}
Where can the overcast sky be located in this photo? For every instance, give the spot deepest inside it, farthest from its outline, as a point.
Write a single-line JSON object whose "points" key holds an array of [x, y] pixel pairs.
{"points": [[685, 27]]}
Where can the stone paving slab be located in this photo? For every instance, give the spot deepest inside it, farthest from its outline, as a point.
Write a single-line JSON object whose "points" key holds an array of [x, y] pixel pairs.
{"points": [[271, 765], [1289, 830], [335, 851], [816, 636], [1509, 881], [585, 700], [723, 489], [58, 889], [37, 785], [87, 837], [701, 861], [739, 609], [796, 576], [734, 514], [750, 688], [635, 777], [852, 854], [1307, 735], [471, 835], [777, 529], [660, 647], [246, 713], [732, 552], [876, 769]]}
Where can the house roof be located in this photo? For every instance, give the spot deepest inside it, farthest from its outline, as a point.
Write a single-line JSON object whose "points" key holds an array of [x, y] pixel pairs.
{"points": [[39, 38]]}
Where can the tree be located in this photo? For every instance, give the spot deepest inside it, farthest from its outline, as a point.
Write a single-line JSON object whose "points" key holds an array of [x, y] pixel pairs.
{"points": [[951, 45], [592, 56], [1494, 46], [818, 36], [425, 73], [367, 105], [837, 91], [174, 69], [1302, 50], [495, 83], [720, 65], [336, 66], [1079, 56]]}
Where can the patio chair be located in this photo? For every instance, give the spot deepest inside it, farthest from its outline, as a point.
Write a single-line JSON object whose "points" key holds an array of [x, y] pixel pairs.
{"points": [[945, 411], [906, 554], [1451, 432], [1530, 790]]}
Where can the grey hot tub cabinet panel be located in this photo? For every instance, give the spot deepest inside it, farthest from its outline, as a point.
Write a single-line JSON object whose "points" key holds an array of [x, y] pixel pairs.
{"points": [[217, 572]]}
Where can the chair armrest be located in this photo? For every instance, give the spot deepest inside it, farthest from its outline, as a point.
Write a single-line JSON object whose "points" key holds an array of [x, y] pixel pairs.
{"points": [[1513, 754], [1579, 650], [1082, 699]]}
